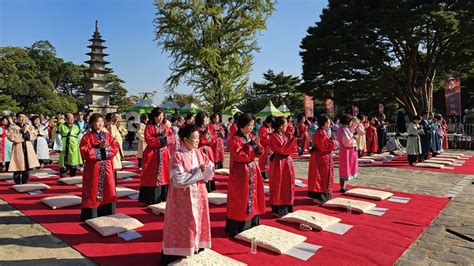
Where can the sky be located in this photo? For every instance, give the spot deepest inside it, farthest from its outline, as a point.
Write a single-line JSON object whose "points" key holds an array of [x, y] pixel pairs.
{"points": [[127, 27]]}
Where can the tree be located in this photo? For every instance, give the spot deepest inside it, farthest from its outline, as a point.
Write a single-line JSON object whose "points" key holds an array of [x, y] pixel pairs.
{"points": [[182, 99], [279, 88], [372, 51], [211, 43], [8, 103], [22, 80], [118, 94]]}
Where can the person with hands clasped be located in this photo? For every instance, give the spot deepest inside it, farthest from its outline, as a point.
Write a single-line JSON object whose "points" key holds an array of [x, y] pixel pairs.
{"points": [[23, 154], [245, 196], [187, 228], [98, 149], [155, 175]]}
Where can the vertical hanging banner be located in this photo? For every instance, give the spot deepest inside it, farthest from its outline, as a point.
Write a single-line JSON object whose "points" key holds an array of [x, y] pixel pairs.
{"points": [[355, 110], [381, 108], [452, 96], [308, 106], [329, 105]]}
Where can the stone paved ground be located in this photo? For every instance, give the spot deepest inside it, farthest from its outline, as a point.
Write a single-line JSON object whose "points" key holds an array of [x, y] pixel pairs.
{"points": [[24, 242]]}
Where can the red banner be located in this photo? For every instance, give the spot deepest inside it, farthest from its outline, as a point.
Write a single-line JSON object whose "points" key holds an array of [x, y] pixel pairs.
{"points": [[355, 110], [308, 106], [329, 105], [452, 96], [381, 108]]}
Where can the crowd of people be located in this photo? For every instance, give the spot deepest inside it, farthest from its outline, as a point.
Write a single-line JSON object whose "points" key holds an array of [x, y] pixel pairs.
{"points": [[178, 157]]}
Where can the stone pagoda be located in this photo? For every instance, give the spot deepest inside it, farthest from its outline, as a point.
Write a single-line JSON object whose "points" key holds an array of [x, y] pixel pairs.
{"points": [[97, 96]]}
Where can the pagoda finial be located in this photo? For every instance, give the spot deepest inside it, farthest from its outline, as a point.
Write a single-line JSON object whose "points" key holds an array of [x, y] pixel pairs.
{"points": [[97, 26]]}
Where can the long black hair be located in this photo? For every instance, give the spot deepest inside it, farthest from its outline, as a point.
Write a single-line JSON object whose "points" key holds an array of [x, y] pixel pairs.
{"points": [[244, 120], [154, 113], [199, 119]]}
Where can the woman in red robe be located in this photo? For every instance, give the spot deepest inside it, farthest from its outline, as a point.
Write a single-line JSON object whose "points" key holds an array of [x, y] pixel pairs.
{"points": [[98, 149], [290, 129], [217, 130], [321, 167], [206, 140], [155, 175], [233, 127], [282, 170], [302, 135], [187, 227], [264, 134], [371, 137], [245, 195], [444, 127]]}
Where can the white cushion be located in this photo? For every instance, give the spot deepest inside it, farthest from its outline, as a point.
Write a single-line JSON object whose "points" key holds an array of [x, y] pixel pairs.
{"points": [[356, 205], [362, 160], [383, 155], [222, 171], [128, 164], [305, 156], [125, 191], [369, 193], [158, 208], [62, 201], [271, 238], [453, 153], [449, 156], [208, 257], [71, 180], [43, 172], [6, 176], [217, 198], [30, 187], [374, 158], [443, 159], [429, 165], [439, 162], [316, 220], [114, 224], [266, 189], [125, 174]]}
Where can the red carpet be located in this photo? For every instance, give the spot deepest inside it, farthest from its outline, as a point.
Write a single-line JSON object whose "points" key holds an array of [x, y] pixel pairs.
{"points": [[372, 240], [402, 162]]}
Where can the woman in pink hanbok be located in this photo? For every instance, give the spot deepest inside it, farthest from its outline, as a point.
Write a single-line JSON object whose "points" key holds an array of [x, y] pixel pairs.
{"points": [[187, 228], [348, 161]]}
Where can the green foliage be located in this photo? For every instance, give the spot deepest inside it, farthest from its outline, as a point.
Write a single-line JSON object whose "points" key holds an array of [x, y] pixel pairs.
{"points": [[22, 80], [37, 81], [118, 94], [182, 99], [8, 103], [279, 88], [365, 52], [211, 43]]}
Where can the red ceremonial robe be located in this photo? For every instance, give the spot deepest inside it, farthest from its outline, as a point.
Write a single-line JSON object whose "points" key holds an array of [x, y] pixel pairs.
{"points": [[264, 160], [187, 226], [444, 127], [155, 170], [282, 170], [206, 140], [321, 167], [233, 129], [245, 193], [290, 130], [98, 184], [371, 139], [217, 131], [304, 138]]}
